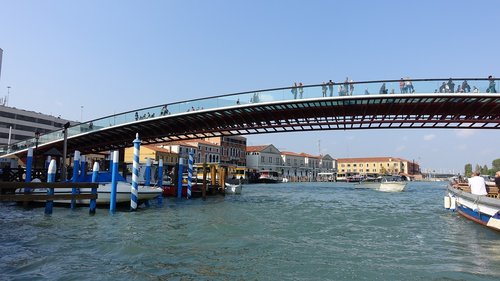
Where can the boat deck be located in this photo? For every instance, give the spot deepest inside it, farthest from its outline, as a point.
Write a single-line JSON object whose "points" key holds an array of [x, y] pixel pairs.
{"points": [[491, 188]]}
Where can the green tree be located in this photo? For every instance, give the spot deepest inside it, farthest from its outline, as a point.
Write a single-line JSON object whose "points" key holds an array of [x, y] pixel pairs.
{"points": [[468, 170], [477, 168], [383, 171], [484, 170], [495, 165]]}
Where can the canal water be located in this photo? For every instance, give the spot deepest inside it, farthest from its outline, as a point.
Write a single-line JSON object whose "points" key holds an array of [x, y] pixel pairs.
{"points": [[294, 231]]}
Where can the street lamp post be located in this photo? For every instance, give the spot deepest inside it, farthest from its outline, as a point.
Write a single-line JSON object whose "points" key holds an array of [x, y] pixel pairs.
{"points": [[8, 96], [37, 137]]}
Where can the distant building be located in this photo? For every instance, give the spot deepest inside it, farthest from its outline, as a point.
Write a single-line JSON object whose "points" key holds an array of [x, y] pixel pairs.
{"points": [[328, 164], [154, 152], [181, 148], [294, 165], [206, 152], [23, 124], [264, 157], [233, 150], [376, 166]]}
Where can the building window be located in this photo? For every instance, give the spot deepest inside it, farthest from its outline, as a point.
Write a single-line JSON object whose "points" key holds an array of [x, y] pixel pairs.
{"points": [[262, 159]]}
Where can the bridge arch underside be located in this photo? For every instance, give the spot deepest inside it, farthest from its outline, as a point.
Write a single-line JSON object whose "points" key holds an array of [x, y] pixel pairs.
{"points": [[338, 113]]}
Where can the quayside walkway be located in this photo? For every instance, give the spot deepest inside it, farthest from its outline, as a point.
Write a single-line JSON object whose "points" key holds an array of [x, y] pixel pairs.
{"points": [[389, 104]]}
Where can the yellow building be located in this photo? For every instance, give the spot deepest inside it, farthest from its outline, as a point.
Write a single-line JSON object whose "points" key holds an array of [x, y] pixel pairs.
{"points": [[375, 166], [154, 152]]}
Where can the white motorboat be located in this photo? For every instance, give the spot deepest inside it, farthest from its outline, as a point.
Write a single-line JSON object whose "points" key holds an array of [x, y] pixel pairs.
{"points": [[392, 186], [385, 183], [123, 191], [233, 188]]}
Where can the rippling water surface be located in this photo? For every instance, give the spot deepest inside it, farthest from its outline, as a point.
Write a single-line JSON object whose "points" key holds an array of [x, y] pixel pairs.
{"points": [[313, 231]]}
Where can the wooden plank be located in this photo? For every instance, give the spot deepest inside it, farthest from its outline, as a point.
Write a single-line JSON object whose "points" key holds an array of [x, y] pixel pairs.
{"points": [[14, 185], [39, 197]]}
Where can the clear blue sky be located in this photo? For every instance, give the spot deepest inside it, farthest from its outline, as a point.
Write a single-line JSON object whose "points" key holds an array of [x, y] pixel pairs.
{"points": [[115, 56]]}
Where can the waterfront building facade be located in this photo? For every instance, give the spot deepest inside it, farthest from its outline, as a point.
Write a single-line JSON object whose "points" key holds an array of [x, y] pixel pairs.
{"points": [[232, 150], [376, 166], [263, 157], [294, 166], [205, 151]]}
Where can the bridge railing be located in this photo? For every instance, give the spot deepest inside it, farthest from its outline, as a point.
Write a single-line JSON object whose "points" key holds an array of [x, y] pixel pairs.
{"points": [[404, 86]]}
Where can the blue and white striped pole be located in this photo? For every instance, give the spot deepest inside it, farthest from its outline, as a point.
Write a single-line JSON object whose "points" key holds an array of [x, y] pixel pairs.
{"points": [[76, 166], [51, 177], [134, 192], [160, 180], [190, 173], [147, 180], [95, 175], [29, 164], [179, 180], [114, 182]]}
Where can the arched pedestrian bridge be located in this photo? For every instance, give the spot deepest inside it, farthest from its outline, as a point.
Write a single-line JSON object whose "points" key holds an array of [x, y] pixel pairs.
{"points": [[390, 104]]}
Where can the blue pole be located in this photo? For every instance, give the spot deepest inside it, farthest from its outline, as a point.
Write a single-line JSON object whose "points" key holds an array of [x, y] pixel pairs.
{"points": [[160, 180], [95, 175], [47, 162], [190, 173], [147, 181], [29, 164], [114, 183], [134, 192], [179, 180], [76, 165], [51, 177], [83, 168]]}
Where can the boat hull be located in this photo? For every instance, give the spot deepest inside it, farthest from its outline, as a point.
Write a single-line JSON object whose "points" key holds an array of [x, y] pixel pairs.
{"points": [[392, 186], [123, 191], [477, 208]]}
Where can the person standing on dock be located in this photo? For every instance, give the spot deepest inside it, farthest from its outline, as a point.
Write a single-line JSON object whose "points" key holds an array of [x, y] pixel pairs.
{"points": [[477, 184]]}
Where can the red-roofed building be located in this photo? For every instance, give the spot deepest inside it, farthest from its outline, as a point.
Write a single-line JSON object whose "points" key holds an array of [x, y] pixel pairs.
{"points": [[263, 157]]}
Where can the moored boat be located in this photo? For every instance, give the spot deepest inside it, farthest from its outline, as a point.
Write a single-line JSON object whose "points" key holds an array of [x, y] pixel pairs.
{"points": [[482, 209], [268, 176], [123, 190]]}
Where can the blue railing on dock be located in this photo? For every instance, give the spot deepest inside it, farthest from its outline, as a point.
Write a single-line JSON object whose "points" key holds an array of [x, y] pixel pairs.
{"points": [[344, 89]]}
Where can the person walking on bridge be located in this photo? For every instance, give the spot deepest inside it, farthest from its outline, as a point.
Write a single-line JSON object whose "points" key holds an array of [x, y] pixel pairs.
{"points": [[301, 90], [491, 86], [294, 90], [330, 87], [323, 89]]}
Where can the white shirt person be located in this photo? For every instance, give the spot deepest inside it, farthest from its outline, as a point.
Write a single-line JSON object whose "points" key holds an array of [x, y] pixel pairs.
{"points": [[477, 184]]}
